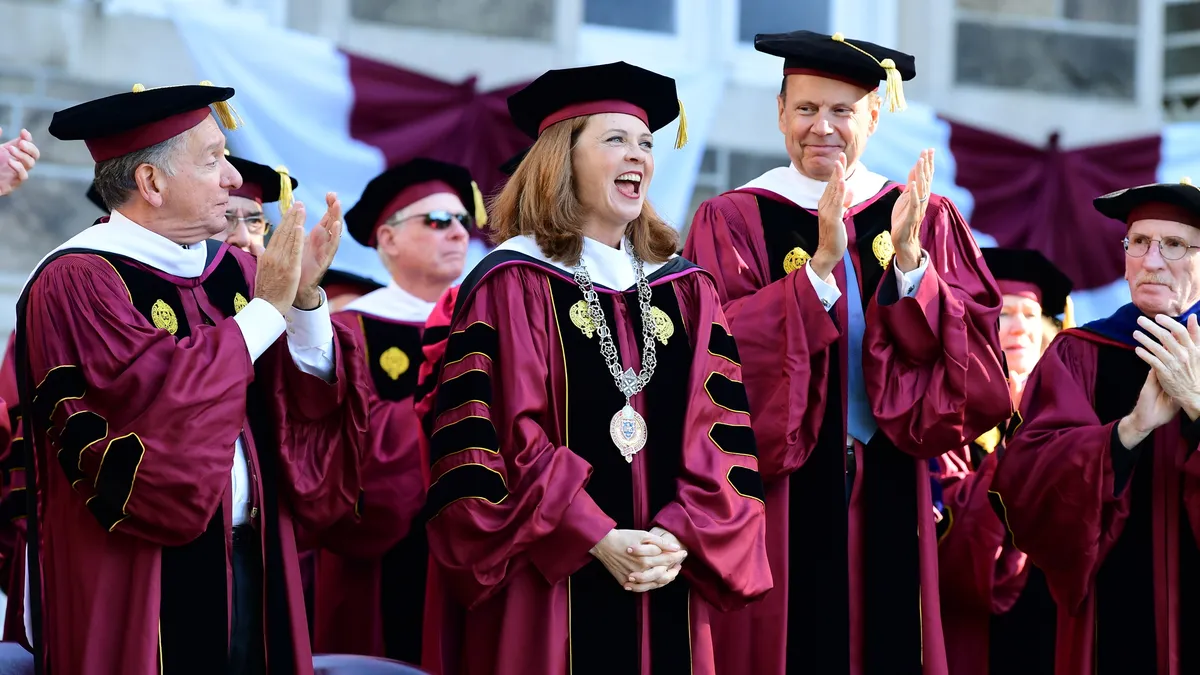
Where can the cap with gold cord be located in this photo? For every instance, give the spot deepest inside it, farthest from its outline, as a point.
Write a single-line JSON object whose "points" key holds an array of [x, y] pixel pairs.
{"points": [[117, 125]]}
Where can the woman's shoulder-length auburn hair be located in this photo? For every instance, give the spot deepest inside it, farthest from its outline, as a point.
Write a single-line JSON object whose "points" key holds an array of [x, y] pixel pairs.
{"points": [[539, 200]]}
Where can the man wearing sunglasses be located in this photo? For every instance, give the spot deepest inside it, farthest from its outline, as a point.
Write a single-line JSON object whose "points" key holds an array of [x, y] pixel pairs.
{"points": [[369, 590], [1098, 485], [246, 222]]}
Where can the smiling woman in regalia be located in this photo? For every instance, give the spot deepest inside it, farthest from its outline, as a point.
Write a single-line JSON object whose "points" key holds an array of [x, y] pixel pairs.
{"points": [[595, 490]]}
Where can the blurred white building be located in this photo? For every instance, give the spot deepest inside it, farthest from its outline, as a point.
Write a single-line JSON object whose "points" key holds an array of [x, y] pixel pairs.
{"points": [[1094, 70]]}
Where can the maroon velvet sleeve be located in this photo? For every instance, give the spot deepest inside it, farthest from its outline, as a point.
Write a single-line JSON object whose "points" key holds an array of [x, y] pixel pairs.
{"points": [[978, 570], [722, 526], [322, 429], [783, 331], [393, 481], [932, 361], [506, 494], [1056, 478], [164, 413]]}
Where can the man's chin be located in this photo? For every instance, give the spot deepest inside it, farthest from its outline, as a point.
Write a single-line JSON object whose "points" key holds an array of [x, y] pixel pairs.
{"points": [[817, 168]]}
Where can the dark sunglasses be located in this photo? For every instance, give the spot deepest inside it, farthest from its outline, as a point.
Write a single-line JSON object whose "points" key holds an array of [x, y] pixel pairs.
{"points": [[440, 220]]}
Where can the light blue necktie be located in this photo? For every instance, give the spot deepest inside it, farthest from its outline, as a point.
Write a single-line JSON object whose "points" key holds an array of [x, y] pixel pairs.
{"points": [[860, 421]]}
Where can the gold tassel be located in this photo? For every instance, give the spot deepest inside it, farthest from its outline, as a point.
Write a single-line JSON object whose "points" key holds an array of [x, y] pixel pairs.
{"points": [[480, 208], [681, 135], [139, 88], [225, 112], [893, 92], [285, 190], [1185, 181], [1069, 314]]}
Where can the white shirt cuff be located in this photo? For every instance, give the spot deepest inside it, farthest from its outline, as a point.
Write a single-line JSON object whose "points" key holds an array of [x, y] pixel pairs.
{"points": [[261, 326], [310, 339], [827, 292], [909, 282]]}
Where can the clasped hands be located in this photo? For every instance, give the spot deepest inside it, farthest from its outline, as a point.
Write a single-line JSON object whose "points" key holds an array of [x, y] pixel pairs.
{"points": [[291, 266], [907, 216], [641, 561], [1172, 351]]}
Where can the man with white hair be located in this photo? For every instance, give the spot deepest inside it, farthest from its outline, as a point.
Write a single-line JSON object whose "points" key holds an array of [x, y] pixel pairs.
{"points": [[174, 436], [369, 590], [1100, 482]]}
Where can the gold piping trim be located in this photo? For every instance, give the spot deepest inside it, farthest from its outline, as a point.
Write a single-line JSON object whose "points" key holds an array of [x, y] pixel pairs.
{"points": [[727, 480], [950, 525], [714, 441], [39, 385], [468, 355], [714, 401], [460, 405], [1005, 517], [473, 370], [447, 426], [459, 499], [720, 356], [79, 462], [459, 452], [463, 330], [691, 663], [118, 273], [131, 483], [54, 410]]}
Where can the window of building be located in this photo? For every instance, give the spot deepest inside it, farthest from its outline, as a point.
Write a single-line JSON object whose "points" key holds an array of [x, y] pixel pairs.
{"points": [[650, 15], [1181, 60], [773, 16], [1068, 47], [529, 19]]}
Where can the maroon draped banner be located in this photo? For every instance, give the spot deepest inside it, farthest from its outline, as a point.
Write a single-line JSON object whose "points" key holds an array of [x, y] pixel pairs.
{"points": [[1041, 198], [407, 115]]}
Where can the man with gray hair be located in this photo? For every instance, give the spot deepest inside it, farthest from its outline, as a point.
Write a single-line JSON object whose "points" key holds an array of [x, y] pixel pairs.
{"points": [[1098, 482], [174, 436], [369, 591]]}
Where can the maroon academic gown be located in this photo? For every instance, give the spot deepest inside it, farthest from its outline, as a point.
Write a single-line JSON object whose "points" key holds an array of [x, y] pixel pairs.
{"points": [[997, 615], [143, 383], [13, 502], [1114, 530], [369, 593], [856, 588], [526, 478]]}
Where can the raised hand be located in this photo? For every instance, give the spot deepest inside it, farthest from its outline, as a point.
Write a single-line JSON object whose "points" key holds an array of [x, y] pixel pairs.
{"points": [[319, 250], [278, 274], [909, 212], [17, 158], [1175, 358], [1153, 409], [831, 210]]}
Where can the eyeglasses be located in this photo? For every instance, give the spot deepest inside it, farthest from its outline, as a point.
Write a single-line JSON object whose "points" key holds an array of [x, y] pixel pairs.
{"points": [[256, 223], [1170, 248], [439, 220]]}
